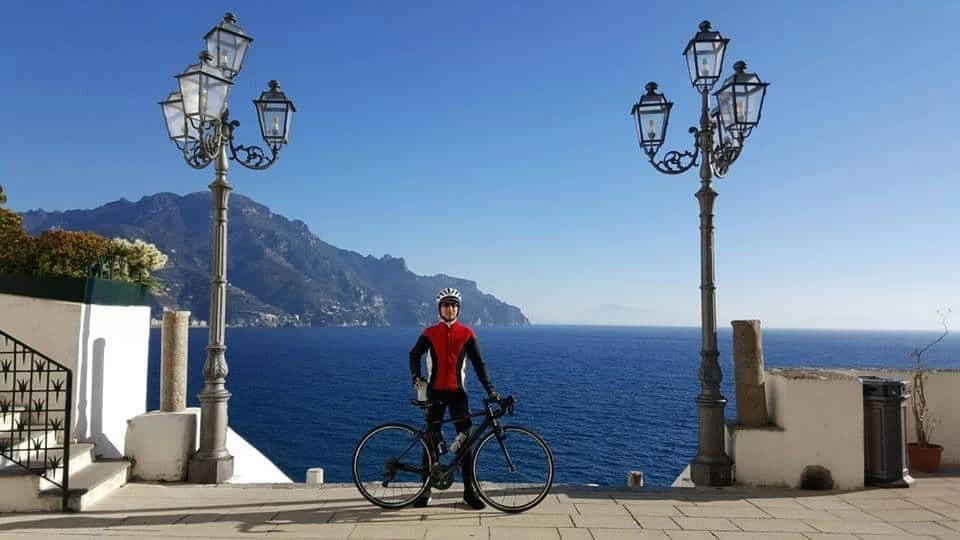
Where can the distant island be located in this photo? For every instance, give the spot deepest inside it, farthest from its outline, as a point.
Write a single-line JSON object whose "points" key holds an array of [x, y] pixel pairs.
{"points": [[280, 274]]}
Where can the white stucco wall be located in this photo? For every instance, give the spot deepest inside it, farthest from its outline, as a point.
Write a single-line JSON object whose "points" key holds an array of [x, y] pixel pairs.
{"points": [[161, 443], [107, 349], [820, 416]]}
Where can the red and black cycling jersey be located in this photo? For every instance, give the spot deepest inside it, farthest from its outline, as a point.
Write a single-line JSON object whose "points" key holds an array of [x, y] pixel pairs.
{"points": [[447, 348]]}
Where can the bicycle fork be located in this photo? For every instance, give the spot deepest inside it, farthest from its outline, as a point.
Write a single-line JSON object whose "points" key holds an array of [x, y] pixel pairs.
{"points": [[506, 454]]}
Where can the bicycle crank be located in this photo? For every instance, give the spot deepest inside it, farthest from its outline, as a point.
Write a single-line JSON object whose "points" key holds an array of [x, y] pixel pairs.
{"points": [[441, 476]]}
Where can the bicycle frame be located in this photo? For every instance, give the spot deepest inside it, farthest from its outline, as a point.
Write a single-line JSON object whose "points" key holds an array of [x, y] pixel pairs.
{"points": [[491, 422]]}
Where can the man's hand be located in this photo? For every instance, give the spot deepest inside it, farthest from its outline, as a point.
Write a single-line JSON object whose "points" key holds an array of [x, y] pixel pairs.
{"points": [[417, 383]]}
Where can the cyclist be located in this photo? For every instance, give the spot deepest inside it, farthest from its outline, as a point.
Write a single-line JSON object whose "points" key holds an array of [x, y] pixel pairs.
{"points": [[447, 345]]}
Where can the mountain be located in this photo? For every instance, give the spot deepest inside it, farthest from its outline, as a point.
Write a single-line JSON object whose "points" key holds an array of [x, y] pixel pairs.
{"points": [[279, 273]]}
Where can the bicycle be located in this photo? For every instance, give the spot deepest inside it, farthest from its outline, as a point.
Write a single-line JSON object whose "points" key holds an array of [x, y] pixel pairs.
{"points": [[394, 463]]}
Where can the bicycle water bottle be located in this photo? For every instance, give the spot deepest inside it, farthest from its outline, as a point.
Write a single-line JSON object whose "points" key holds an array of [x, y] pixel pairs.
{"points": [[455, 445], [441, 444], [422, 391]]}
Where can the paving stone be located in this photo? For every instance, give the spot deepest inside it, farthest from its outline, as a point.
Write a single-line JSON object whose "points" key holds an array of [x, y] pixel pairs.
{"points": [[571, 533], [705, 524], [925, 527], [907, 515], [772, 525], [652, 509], [883, 504], [525, 520], [524, 533], [690, 535], [324, 530], [855, 515], [626, 534], [606, 522], [853, 527], [457, 532], [601, 510], [724, 511], [387, 532], [729, 535], [663, 523], [805, 513]]}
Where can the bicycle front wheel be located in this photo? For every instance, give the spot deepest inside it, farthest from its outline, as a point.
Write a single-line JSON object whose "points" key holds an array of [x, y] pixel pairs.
{"points": [[388, 465], [513, 472]]}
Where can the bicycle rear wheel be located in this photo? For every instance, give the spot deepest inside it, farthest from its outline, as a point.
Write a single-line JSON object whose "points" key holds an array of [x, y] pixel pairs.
{"points": [[388, 467], [527, 483]]}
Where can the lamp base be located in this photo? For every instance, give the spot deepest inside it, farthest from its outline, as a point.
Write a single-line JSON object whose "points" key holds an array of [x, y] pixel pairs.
{"points": [[210, 471], [707, 472]]}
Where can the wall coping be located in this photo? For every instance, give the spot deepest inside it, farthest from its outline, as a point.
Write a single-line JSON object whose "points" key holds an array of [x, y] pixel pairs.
{"points": [[823, 374], [104, 292]]}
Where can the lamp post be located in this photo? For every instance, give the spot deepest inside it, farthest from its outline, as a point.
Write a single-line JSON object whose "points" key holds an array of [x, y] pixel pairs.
{"points": [[739, 102], [198, 123]]}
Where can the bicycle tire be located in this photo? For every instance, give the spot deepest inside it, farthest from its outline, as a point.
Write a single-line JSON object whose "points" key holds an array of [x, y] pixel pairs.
{"points": [[537, 490], [412, 449]]}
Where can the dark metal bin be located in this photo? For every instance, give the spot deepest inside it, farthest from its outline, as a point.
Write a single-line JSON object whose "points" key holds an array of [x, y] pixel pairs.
{"points": [[884, 432]]}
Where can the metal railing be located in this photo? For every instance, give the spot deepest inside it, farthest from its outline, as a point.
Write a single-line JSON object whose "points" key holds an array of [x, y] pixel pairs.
{"points": [[107, 266], [36, 398]]}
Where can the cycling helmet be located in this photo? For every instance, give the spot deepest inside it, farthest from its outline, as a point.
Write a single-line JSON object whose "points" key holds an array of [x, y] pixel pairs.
{"points": [[448, 295]]}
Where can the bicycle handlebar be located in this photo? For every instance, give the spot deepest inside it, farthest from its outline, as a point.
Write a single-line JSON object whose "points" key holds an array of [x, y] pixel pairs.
{"points": [[506, 405]]}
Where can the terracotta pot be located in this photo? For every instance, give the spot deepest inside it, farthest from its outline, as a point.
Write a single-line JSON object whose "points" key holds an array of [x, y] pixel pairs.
{"points": [[924, 458]]}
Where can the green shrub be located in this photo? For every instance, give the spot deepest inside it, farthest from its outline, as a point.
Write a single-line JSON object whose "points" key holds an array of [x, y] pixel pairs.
{"points": [[69, 253], [17, 249], [76, 254]]}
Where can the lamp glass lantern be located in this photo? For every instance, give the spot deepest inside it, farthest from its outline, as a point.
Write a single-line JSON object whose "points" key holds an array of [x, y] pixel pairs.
{"points": [[275, 112], [724, 136], [204, 88], [705, 57], [740, 99], [179, 130], [228, 44], [651, 114]]}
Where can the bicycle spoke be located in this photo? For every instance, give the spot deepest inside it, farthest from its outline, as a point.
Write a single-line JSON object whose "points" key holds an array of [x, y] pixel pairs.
{"points": [[388, 466], [514, 473]]}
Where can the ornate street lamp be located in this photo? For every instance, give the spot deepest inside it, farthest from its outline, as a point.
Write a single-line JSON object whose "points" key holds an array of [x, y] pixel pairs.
{"points": [[197, 120], [739, 102]]}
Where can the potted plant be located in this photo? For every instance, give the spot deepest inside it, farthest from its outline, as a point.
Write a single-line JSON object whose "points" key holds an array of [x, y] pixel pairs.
{"points": [[924, 456]]}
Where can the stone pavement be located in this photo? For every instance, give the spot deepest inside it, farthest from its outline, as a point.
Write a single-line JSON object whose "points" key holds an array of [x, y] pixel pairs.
{"points": [[930, 510]]}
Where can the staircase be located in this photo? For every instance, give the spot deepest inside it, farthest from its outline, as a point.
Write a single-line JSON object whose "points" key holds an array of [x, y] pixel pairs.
{"points": [[38, 472]]}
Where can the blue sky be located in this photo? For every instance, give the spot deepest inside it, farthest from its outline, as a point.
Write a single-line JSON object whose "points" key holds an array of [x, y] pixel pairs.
{"points": [[492, 141]]}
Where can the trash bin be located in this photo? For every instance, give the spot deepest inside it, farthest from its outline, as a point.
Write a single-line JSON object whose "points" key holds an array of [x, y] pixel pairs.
{"points": [[884, 432]]}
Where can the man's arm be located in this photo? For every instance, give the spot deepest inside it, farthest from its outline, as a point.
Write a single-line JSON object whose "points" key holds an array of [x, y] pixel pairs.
{"points": [[473, 351], [422, 346]]}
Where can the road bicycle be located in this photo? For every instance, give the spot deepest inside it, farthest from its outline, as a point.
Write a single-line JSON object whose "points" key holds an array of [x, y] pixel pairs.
{"points": [[395, 463]]}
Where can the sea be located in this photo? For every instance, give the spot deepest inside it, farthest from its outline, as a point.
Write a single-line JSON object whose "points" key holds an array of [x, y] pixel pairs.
{"points": [[607, 399]]}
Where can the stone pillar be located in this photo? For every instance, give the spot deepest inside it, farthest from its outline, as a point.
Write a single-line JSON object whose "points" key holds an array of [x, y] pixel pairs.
{"points": [[173, 361], [749, 374]]}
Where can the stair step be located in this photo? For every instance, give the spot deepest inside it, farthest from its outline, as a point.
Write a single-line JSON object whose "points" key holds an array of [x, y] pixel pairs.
{"points": [[91, 483], [81, 455], [24, 440]]}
